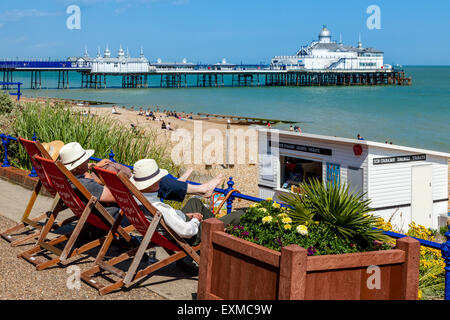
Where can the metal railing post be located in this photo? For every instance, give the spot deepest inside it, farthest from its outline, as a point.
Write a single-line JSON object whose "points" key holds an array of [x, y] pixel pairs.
{"points": [[231, 198], [33, 172], [5, 143], [445, 249], [111, 156]]}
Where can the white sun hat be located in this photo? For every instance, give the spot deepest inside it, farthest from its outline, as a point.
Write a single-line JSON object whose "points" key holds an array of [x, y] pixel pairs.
{"points": [[73, 154], [146, 172]]}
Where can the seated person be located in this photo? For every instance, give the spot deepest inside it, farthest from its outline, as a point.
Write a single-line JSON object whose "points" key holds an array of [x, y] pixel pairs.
{"points": [[177, 189], [185, 222], [76, 160]]}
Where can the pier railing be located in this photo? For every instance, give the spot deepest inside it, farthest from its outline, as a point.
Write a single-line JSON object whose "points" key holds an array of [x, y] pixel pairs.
{"points": [[443, 247]]}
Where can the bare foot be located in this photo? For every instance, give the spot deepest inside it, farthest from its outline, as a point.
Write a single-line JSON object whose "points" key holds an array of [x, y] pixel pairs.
{"points": [[211, 185]]}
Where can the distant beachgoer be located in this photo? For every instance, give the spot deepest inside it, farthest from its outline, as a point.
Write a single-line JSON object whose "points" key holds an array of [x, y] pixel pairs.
{"points": [[268, 125], [359, 137], [163, 125], [168, 127], [291, 128], [114, 110]]}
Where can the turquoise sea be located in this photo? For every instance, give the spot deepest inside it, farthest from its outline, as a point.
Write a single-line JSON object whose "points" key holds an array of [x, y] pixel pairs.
{"points": [[416, 116]]}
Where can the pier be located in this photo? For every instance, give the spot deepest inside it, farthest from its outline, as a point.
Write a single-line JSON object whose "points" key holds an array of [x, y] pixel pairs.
{"points": [[202, 76]]}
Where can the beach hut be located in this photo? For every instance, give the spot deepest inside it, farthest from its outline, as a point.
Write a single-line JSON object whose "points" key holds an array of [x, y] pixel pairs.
{"points": [[404, 184]]}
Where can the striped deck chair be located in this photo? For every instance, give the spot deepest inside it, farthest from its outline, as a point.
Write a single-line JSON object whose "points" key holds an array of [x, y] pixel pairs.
{"points": [[61, 179], [30, 228], [124, 192]]}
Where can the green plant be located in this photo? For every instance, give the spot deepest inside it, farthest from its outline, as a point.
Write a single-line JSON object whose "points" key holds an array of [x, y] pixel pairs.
{"points": [[102, 134], [443, 230], [6, 103], [300, 213], [268, 224], [346, 214]]}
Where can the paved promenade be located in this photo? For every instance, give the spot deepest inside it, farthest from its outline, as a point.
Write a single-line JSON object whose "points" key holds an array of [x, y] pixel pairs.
{"points": [[20, 280]]}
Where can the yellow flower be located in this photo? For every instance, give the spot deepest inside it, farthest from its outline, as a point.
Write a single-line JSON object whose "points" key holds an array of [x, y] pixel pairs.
{"points": [[286, 220], [283, 215], [255, 205], [302, 229], [267, 219], [268, 199], [262, 209], [419, 295], [287, 227], [276, 205]]}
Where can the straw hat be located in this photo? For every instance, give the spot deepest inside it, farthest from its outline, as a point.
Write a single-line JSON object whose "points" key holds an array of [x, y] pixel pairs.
{"points": [[146, 172], [72, 155], [53, 148]]}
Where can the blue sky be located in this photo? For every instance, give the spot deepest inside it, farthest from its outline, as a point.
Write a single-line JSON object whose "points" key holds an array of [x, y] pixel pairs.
{"points": [[251, 31]]}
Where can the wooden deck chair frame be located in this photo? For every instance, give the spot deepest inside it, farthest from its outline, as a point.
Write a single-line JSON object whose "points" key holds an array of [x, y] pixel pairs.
{"points": [[20, 233], [224, 201], [82, 213], [131, 210]]}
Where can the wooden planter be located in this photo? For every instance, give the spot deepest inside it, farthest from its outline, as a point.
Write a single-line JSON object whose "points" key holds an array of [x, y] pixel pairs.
{"points": [[233, 268]]}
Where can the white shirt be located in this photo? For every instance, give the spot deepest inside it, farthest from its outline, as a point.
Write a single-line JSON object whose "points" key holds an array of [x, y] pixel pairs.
{"points": [[175, 219]]}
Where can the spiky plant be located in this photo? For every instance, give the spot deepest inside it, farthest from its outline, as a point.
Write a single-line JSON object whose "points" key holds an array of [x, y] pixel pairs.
{"points": [[299, 212], [346, 214]]}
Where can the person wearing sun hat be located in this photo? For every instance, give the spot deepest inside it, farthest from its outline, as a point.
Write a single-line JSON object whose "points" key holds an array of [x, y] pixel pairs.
{"points": [[76, 160], [53, 148], [185, 222]]}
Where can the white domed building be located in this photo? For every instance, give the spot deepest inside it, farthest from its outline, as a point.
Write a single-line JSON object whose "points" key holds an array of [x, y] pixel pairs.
{"points": [[122, 64], [325, 54]]}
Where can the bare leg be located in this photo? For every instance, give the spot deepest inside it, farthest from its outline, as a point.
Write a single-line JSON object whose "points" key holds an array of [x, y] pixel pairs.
{"points": [[205, 190], [186, 175]]}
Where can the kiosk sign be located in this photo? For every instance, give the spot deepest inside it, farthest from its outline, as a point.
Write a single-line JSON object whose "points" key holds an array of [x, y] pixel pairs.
{"points": [[399, 159], [297, 147]]}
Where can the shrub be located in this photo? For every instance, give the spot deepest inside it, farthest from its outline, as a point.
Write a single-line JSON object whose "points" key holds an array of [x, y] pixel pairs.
{"points": [[6, 103], [346, 214], [102, 134], [270, 225]]}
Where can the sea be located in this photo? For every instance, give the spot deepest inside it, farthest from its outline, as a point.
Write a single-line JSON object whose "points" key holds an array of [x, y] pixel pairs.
{"points": [[416, 116]]}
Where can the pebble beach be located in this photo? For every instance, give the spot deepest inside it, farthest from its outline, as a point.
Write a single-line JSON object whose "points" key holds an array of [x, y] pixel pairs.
{"points": [[244, 173]]}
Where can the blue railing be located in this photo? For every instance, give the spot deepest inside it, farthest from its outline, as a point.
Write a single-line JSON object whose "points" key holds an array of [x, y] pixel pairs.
{"points": [[18, 84], [444, 247], [35, 64]]}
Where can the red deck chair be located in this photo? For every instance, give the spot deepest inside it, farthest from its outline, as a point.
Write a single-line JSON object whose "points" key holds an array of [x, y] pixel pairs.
{"points": [[124, 192], [61, 178], [20, 233]]}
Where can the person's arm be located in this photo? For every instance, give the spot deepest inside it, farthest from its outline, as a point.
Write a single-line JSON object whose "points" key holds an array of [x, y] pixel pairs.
{"points": [[176, 223], [107, 196]]}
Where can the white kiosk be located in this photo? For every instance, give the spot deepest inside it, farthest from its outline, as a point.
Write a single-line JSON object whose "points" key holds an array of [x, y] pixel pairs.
{"points": [[404, 184]]}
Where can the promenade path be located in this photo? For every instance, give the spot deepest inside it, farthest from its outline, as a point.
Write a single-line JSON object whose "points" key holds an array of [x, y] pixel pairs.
{"points": [[20, 280]]}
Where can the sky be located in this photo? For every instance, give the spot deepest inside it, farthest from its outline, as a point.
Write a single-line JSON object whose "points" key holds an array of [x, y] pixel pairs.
{"points": [[249, 31]]}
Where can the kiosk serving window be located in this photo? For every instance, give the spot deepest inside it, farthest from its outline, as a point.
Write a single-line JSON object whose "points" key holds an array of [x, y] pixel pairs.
{"points": [[296, 170]]}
